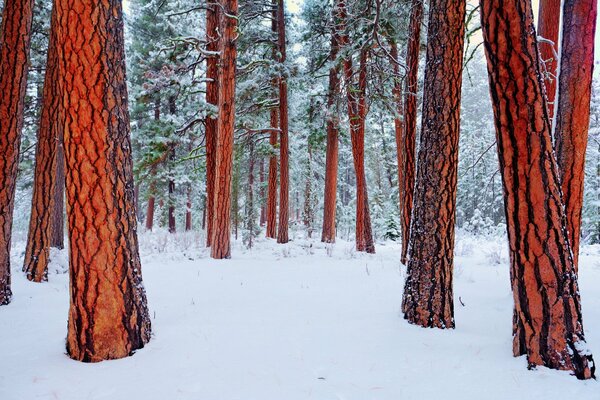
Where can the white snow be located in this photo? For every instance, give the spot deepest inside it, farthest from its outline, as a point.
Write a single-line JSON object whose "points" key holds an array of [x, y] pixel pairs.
{"points": [[290, 322]]}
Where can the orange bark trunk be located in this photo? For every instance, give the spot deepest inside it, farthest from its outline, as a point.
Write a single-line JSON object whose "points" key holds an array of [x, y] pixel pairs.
{"points": [[15, 38], [573, 109], [221, 235], [213, 16], [284, 169], [271, 231], [407, 173], [108, 315], [547, 320], [428, 292], [46, 179], [548, 27]]}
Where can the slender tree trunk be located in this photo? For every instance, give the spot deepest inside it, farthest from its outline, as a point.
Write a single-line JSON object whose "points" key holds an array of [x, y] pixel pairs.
{"points": [[220, 243], [250, 195], [108, 314], [43, 206], [284, 169], [188, 210], [213, 16], [548, 27], [398, 118], [331, 157], [152, 189], [271, 231], [547, 321], [172, 157], [410, 123], [428, 292], [261, 177], [573, 110], [15, 38]]}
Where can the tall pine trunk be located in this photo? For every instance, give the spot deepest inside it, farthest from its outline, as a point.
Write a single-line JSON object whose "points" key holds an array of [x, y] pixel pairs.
{"points": [[407, 173], [108, 314], [221, 235], [331, 157], [573, 109], [284, 168], [548, 28], [46, 181], [15, 39], [213, 17], [547, 320], [271, 231], [428, 292]]}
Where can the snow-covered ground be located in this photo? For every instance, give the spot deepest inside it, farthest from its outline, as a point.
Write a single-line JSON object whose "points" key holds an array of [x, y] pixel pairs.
{"points": [[300, 321]]}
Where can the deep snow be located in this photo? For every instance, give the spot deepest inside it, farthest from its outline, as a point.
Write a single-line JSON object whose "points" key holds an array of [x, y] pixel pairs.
{"points": [[300, 321]]}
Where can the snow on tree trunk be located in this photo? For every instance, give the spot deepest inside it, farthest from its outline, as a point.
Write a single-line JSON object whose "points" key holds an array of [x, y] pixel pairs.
{"points": [[284, 169], [548, 27]]}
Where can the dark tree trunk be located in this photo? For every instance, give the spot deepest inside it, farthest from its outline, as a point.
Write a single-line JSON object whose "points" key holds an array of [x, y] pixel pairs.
{"points": [[428, 295], [407, 173], [57, 238], [284, 169], [172, 157], [46, 183], [15, 37], [547, 320], [573, 110], [261, 177], [213, 17], [108, 314], [220, 243]]}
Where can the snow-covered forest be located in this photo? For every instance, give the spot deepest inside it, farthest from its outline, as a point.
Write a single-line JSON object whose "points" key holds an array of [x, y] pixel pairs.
{"points": [[304, 185]]}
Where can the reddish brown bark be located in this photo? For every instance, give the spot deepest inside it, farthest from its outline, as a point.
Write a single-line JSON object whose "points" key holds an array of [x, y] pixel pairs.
{"points": [[284, 169], [57, 238], [331, 157], [213, 16], [15, 38], [150, 210], [548, 27], [547, 320], [220, 242], [271, 231], [188, 210], [46, 182], [398, 122], [428, 292], [407, 173], [573, 109], [108, 315]]}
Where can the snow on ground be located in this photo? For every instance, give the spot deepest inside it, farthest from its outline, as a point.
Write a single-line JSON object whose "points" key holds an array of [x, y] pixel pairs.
{"points": [[300, 321]]}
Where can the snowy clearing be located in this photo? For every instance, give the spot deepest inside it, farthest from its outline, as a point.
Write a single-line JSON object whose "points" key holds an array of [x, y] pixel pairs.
{"points": [[299, 321]]}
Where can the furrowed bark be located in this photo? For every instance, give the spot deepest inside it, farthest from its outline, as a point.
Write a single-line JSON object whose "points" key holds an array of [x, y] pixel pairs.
{"points": [[15, 40], [271, 231], [57, 238], [331, 157], [548, 27], [284, 169], [410, 123], [213, 16], [547, 320], [220, 243], [428, 292], [47, 183], [573, 109], [108, 314]]}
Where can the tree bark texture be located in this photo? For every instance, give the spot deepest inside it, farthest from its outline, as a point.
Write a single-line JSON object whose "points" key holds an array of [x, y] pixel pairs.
{"points": [[428, 292], [46, 187], [573, 109], [284, 168], [221, 235], [407, 173], [108, 314], [547, 320], [548, 28], [15, 40], [271, 231], [213, 17]]}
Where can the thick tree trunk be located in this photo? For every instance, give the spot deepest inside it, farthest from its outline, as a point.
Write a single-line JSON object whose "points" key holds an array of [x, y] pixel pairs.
{"points": [[428, 295], [284, 169], [15, 38], [573, 110], [108, 314], [331, 157], [547, 321], [46, 183], [213, 16], [220, 243], [408, 151], [548, 27]]}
